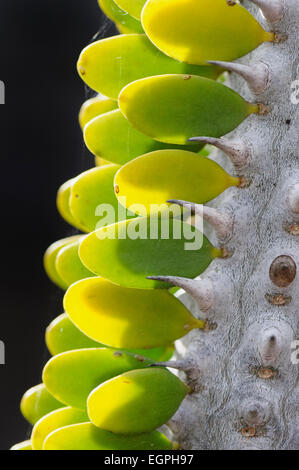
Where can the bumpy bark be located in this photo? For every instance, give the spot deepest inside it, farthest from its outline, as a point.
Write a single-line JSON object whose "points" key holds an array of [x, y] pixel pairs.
{"points": [[247, 394]]}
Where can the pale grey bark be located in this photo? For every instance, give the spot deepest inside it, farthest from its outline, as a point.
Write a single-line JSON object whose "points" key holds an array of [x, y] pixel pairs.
{"points": [[248, 393]]}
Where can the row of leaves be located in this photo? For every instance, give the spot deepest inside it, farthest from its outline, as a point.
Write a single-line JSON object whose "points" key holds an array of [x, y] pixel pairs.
{"points": [[155, 92]]}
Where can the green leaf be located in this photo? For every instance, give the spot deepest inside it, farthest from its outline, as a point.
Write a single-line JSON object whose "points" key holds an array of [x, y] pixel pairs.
{"points": [[62, 335], [86, 436], [174, 108], [53, 421], [123, 20], [115, 139], [110, 64], [94, 107], [63, 203], [69, 266], [127, 252], [93, 203], [137, 401], [72, 375], [195, 31], [50, 257], [133, 7], [128, 318], [38, 402], [158, 176]]}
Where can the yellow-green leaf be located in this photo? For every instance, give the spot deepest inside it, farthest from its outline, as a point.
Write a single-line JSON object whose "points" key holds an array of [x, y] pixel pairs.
{"points": [[63, 203], [195, 31], [122, 19], [158, 176], [133, 7], [93, 202], [50, 260], [69, 266], [174, 108], [38, 402], [94, 107], [88, 437], [127, 252], [55, 420], [128, 318], [62, 335], [137, 401]]}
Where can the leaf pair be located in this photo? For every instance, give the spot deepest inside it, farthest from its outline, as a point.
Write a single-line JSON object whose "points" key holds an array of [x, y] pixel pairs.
{"points": [[108, 65], [94, 107], [50, 258], [116, 388], [62, 263], [71, 376], [112, 137], [51, 422], [37, 402], [90, 199]]}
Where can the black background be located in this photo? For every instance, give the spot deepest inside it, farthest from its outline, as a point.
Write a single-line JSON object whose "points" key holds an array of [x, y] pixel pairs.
{"points": [[41, 147]]}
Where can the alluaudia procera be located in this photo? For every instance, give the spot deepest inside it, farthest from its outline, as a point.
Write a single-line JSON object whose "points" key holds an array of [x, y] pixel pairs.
{"points": [[238, 322]]}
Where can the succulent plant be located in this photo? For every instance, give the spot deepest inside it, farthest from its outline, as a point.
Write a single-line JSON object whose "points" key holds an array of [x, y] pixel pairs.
{"points": [[179, 125]]}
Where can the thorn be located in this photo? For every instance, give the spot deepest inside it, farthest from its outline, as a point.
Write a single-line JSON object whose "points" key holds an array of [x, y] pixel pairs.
{"points": [[270, 345], [200, 289], [273, 10], [256, 76], [293, 199], [222, 223], [236, 150]]}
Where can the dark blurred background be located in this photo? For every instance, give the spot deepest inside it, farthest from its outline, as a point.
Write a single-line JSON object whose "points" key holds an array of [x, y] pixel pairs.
{"points": [[41, 147]]}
